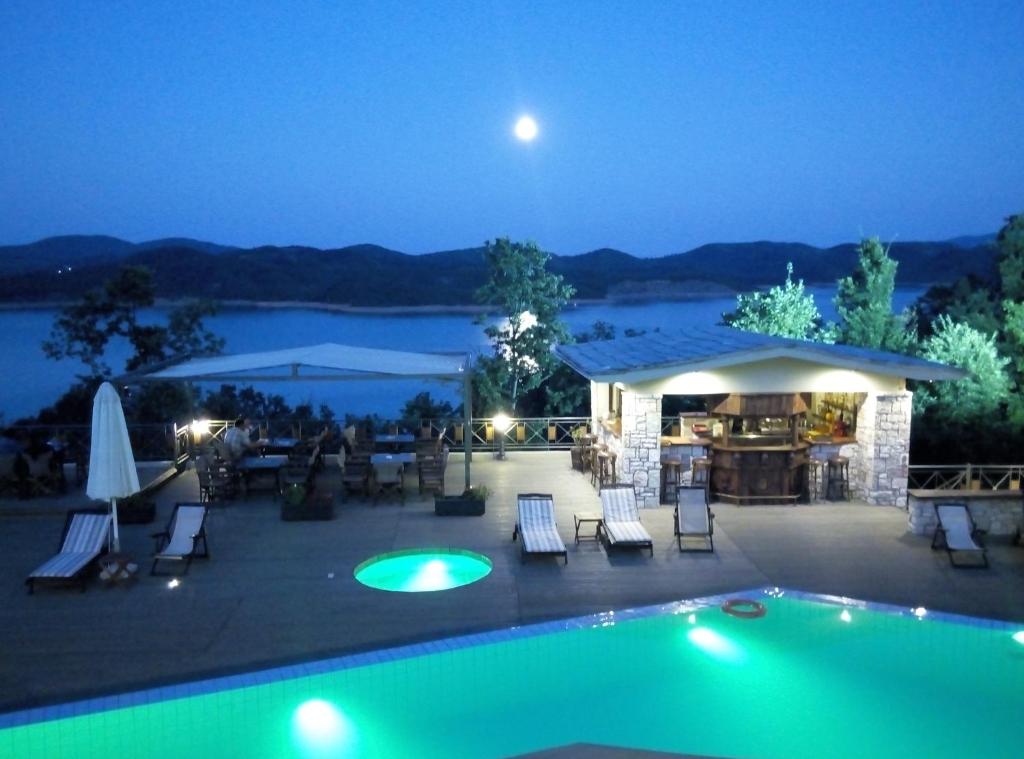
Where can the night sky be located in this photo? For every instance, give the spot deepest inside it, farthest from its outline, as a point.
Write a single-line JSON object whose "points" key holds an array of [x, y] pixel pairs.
{"points": [[662, 126]]}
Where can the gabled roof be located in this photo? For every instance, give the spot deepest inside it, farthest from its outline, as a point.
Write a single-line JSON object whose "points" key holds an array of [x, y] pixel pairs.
{"points": [[667, 353], [324, 361]]}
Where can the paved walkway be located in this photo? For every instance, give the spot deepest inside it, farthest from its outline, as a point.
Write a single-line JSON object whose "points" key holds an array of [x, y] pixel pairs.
{"points": [[276, 592]]}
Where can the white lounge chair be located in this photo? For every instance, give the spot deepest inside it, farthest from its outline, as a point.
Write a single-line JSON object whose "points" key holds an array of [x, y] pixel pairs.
{"points": [[185, 536], [957, 534], [536, 526], [83, 540], [621, 523], [693, 517]]}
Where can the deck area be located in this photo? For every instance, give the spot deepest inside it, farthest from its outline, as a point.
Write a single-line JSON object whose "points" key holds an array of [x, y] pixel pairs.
{"points": [[275, 592]]}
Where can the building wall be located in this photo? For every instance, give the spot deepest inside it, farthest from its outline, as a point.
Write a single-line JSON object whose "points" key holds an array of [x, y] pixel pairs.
{"points": [[640, 458], [879, 465]]}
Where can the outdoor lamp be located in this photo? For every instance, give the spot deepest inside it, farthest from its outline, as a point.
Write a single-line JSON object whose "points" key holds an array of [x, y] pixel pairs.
{"points": [[200, 427], [501, 423]]}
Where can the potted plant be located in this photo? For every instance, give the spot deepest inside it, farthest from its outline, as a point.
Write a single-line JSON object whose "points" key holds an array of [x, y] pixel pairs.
{"points": [[299, 503], [472, 503]]}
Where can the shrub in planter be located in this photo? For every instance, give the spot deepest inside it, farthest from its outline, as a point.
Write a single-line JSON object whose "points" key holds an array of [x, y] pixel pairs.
{"points": [[472, 503]]}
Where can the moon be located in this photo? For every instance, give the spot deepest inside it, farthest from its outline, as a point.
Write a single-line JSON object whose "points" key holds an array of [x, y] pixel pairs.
{"points": [[526, 128]]}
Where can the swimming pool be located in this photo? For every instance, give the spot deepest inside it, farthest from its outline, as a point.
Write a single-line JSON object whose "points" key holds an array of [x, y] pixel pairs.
{"points": [[815, 676]]}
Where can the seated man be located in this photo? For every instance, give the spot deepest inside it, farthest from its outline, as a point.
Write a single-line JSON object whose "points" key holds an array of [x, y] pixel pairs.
{"points": [[238, 440]]}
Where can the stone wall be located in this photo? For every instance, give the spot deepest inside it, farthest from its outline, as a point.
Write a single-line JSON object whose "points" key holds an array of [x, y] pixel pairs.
{"points": [[997, 512], [640, 458], [879, 464]]}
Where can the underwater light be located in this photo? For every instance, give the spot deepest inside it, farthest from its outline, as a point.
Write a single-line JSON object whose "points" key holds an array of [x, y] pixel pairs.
{"points": [[319, 724], [715, 644], [1019, 637], [920, 612], [845, 615]]}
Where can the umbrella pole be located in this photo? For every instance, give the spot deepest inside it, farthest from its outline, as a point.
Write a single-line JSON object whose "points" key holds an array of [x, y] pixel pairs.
{"points": [[117, 536]]}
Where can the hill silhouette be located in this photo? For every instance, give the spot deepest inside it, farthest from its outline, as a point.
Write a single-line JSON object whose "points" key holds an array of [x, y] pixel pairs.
{"points": [[370, 275]]}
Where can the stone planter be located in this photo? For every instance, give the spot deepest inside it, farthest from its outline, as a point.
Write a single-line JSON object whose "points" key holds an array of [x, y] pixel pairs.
{"points": [[458, 506]]}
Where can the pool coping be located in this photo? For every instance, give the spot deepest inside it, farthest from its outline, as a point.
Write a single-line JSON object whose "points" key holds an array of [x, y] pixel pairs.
{"points": [[157, 694]]}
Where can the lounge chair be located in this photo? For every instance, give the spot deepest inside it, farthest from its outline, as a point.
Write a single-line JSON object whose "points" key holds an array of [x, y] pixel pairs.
{"points": [[536, 526], [957, 534], [693, 518], [356, 474], [621, 526], [83, 540], [184, 538]]}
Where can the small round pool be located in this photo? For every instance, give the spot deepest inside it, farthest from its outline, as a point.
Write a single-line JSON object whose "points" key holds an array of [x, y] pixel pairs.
{"points": [[422, 570]]}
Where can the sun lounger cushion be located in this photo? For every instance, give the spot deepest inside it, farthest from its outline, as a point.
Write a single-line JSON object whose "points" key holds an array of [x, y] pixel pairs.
{"points": [[537, 526], [85, 539], [621, 516]]}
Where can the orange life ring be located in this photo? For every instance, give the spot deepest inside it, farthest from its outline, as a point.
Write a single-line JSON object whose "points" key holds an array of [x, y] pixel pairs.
{"points": [[744, 608]]}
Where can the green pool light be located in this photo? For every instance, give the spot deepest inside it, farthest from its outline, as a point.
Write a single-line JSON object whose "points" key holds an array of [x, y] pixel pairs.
{"points": [[1019, 637], [423, 570]]}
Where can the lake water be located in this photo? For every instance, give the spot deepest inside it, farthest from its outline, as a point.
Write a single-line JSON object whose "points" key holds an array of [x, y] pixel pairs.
{"points": [[33, 381]]}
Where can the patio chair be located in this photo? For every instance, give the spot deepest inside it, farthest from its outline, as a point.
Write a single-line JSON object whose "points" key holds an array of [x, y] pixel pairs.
{"points": [[390, 476], [693, 517], [184, 538], [957, 534], [536, 526], [431, 474], [84, 538], [621, 526], [356, 474]]}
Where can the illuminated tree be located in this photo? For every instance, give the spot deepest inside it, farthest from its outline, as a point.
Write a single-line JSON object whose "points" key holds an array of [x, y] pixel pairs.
{"points": [[785, 311], [528, 299], [864, 303]]}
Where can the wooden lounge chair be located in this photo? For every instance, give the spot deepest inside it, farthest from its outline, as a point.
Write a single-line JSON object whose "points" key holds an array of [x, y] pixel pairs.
{"points": [[184, 538], [693, 518], [621, 526], [957, 534], [536, 526], [84, 538]]}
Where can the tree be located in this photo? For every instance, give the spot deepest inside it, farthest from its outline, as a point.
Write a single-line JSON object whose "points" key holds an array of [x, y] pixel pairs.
{"points": [[528, 297], [1010, 242], [784, 311], [864, 303], [977, 396], [83, 330]]}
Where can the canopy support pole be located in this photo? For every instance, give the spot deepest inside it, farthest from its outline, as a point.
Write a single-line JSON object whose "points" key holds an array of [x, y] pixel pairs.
{"points": [[467, 416]]}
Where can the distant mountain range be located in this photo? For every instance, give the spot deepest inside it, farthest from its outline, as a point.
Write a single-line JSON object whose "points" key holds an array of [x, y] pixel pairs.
{"points": [[62, 268]]}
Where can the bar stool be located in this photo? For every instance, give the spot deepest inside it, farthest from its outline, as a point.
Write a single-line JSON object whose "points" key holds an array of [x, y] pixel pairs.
{"points": [[815, 479], [838, 479], [606, 469], [699, 467], [670, 470]]}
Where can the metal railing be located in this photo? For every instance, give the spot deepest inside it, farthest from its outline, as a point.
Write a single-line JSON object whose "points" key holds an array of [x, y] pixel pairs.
{"points": [[966, 476], [150, 442]]}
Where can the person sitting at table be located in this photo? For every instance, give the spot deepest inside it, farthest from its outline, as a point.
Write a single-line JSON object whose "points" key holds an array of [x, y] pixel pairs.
{"points": [[239, 441]]}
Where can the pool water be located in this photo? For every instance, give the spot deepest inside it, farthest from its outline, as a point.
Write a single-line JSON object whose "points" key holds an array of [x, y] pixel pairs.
{"points": [[812, 678], [423, 570]]}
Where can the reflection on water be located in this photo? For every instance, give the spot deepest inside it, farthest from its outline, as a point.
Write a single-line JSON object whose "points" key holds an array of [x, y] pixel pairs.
{"points": [[33, 381]]}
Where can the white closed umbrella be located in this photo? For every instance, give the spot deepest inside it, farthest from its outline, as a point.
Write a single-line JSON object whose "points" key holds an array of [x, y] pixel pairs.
{"points": [[112, 473]]}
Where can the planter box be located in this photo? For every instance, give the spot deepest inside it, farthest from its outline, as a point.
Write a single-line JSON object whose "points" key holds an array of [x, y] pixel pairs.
{"points": [[136, 512], [313, 508], [458, 506]]}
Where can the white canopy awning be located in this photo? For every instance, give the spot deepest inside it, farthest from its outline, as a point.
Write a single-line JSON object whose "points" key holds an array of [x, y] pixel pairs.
{"points": [[327, 361]]}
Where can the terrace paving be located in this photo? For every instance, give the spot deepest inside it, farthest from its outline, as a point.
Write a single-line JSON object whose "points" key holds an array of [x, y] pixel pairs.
{"points": [[275, 592]]}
